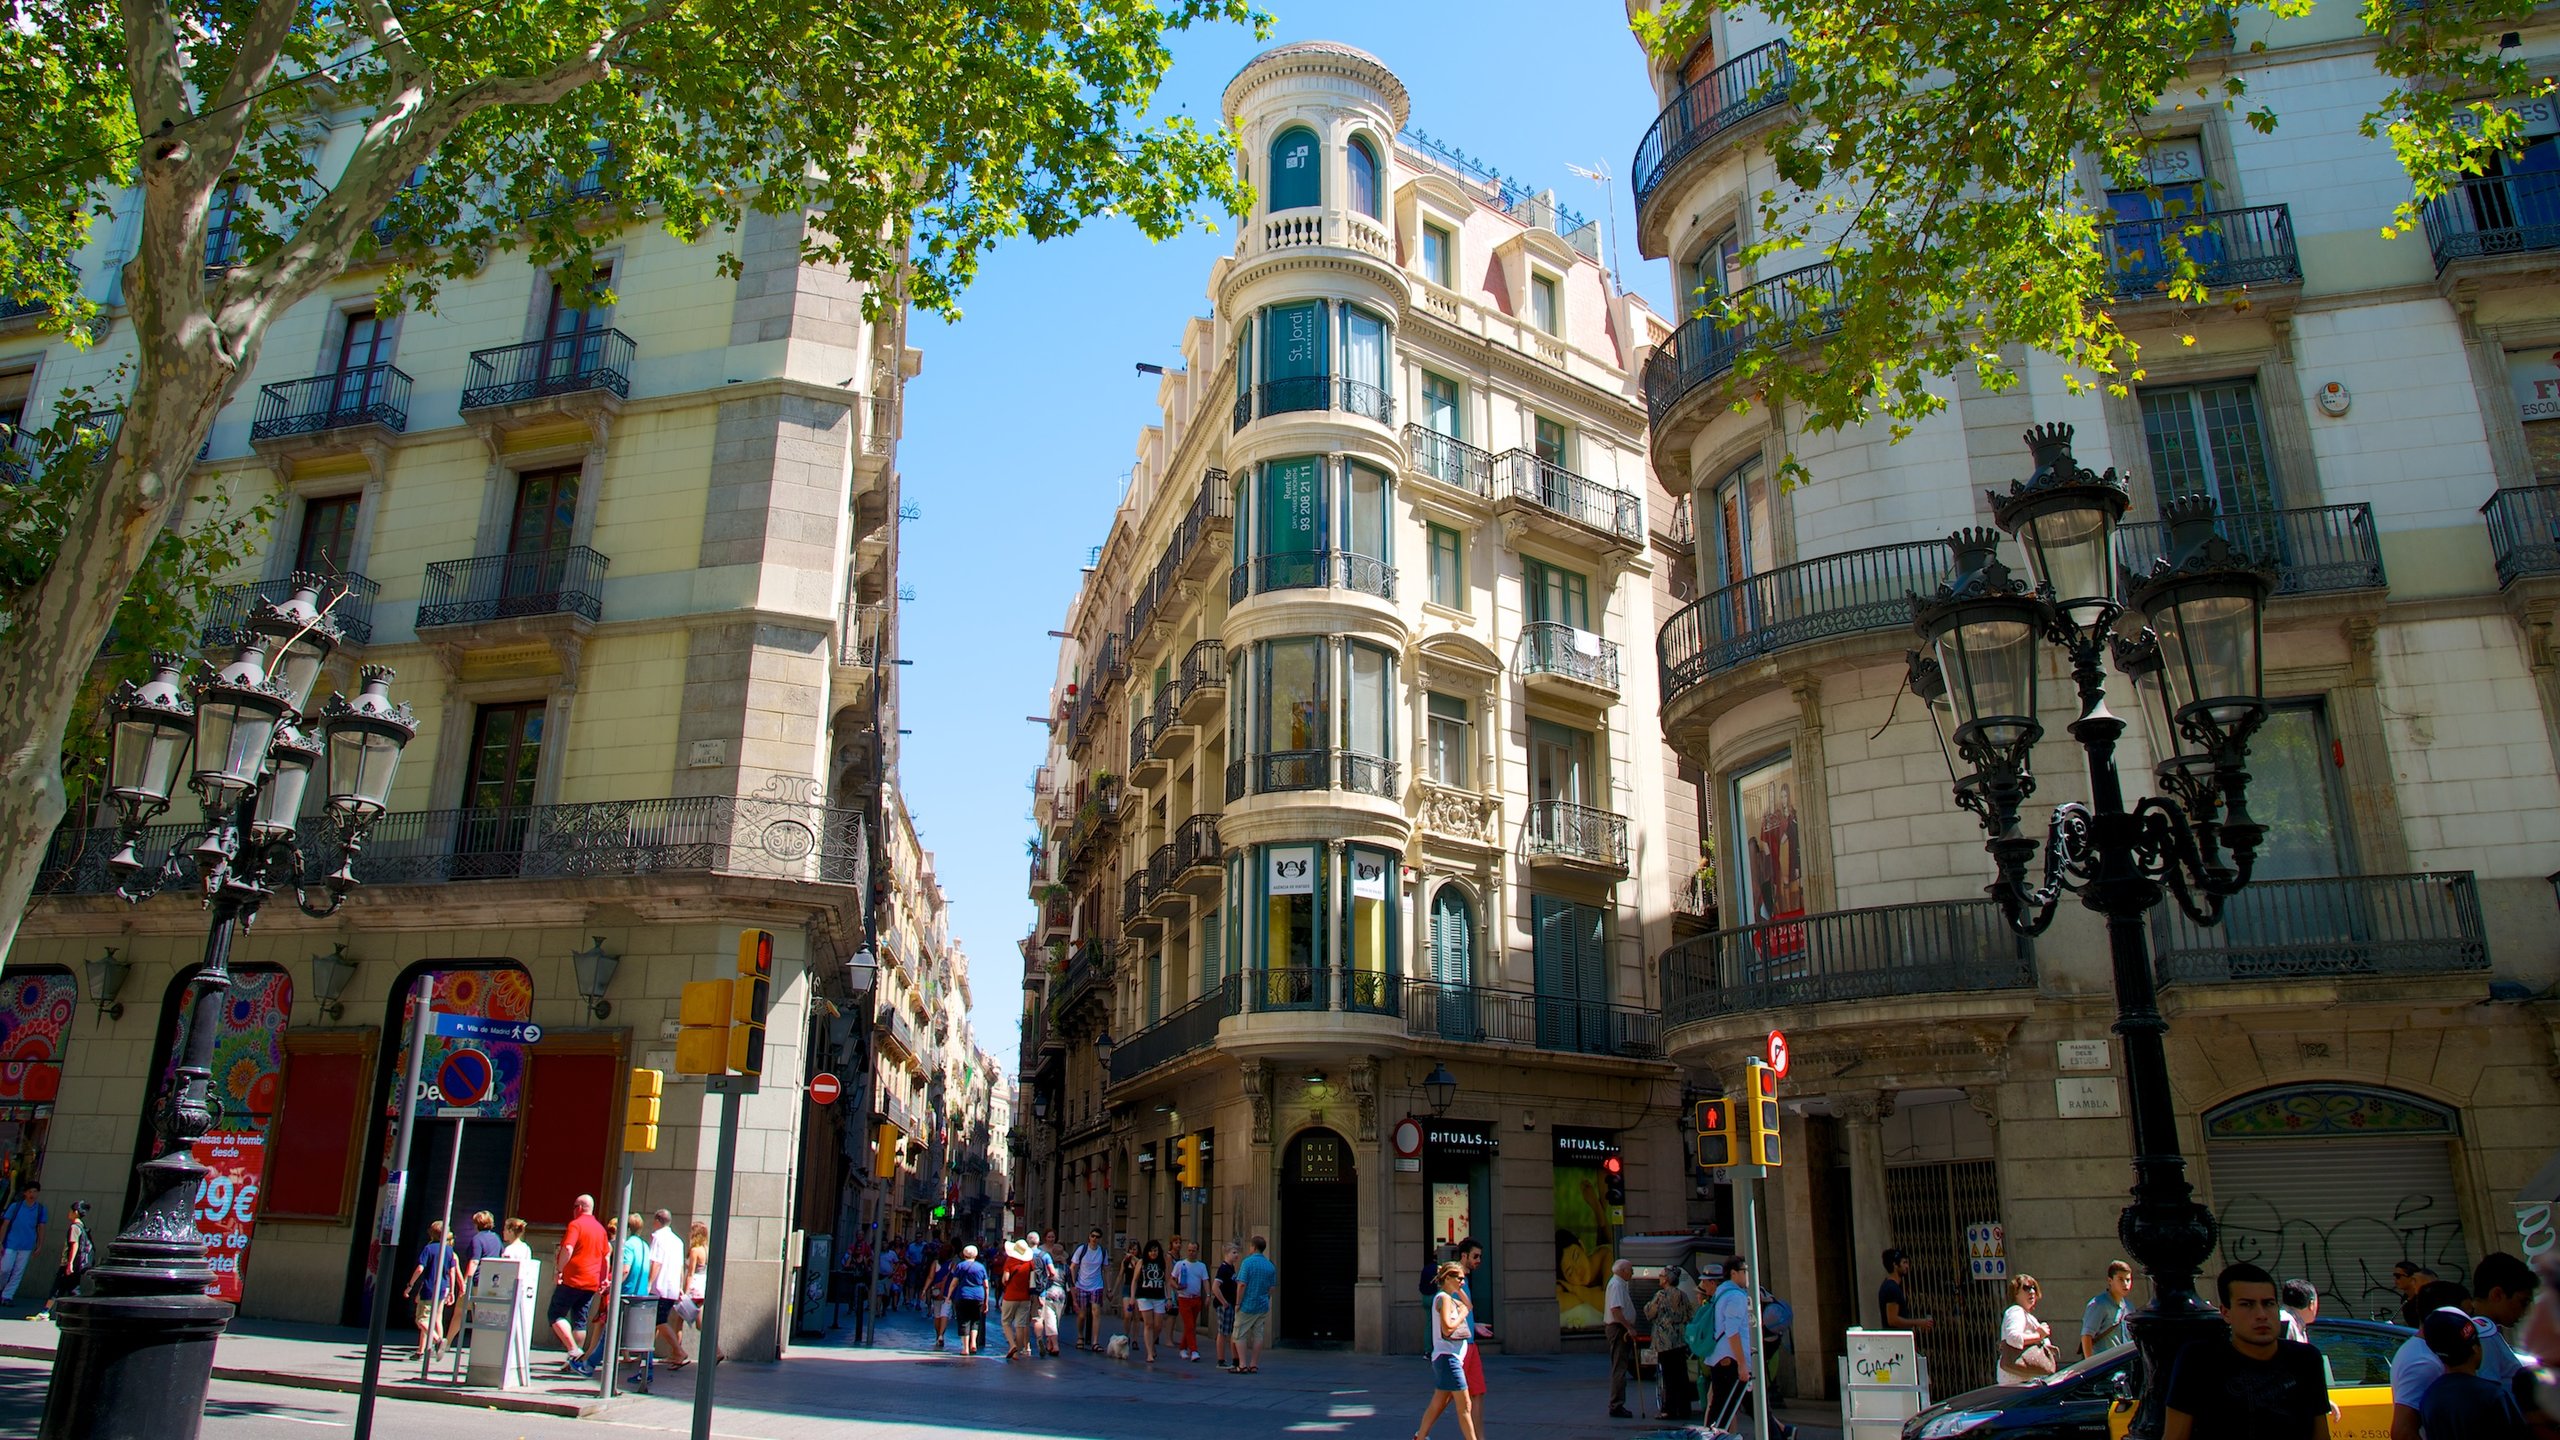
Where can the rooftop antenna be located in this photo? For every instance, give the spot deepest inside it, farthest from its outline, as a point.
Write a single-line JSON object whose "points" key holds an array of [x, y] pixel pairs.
{"points": [[1599, 175]]}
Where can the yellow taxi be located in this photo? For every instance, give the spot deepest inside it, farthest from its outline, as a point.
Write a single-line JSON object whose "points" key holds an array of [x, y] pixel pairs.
{"points": [[2359, 1354]]}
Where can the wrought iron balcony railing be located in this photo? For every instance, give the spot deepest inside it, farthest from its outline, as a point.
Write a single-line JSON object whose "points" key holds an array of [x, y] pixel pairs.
{"points": [[2314, 549], [2494, 215], [1449, 460], [1481, 1015], [1939, 947], [1520, 475], [348, 601], [1194, 1026], [2253, 246], [1312, 570], [1133, 897], [1162, 866], [1694, 898], [1733, 92], [2426, 924], [562, 365], [1306, 987], [2524, 531], [1549, 648], [1204, 667], [1844, 594], [1195, 842], [1299, 393], [865, 641], [1562, 830], [1141, 737], [1803, 306], [489, 588], [366, 395], [1368, 774]]}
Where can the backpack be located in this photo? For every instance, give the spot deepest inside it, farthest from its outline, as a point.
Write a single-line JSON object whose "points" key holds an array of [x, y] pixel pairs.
{"points": [[1044, 1271]]}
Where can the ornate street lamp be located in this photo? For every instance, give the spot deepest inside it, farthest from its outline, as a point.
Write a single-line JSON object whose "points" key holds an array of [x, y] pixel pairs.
{"points": [[2197, 670], [137, 1342], [1441, 1087]]}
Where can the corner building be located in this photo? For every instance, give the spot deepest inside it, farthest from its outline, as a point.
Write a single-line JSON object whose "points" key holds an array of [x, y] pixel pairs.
{"points": [[1351, 776], [2361, 1063]]}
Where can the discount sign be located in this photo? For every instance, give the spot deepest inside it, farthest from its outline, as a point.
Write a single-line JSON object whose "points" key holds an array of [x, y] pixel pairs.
{"points": [[227, 1203]]}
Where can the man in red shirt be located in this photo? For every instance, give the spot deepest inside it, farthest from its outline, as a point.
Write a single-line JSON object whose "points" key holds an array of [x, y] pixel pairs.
{"points": [[1016, 1272], [578, 1277]]}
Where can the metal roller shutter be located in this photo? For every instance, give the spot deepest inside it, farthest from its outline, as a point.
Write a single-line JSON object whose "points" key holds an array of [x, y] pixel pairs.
{"points": [[2340, 1213]]}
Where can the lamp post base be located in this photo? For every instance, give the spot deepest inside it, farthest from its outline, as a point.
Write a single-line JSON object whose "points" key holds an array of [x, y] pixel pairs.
{"points": [[132, 1367]]}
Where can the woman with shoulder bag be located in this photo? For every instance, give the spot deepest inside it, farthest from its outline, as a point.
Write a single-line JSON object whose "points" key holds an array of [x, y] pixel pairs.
{"points": [[2026, 1343], [1667, 1315]]}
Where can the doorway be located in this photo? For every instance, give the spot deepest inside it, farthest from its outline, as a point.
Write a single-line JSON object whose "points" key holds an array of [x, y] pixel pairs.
{"points": [[1319, 1239]]}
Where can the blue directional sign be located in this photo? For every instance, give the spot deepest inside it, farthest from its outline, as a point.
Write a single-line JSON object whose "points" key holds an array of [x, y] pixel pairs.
{"points": [[474, 1027]]}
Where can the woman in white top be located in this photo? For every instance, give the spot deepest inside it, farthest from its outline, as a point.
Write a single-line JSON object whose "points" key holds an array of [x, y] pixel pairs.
{"points": [[1452, 1331], [515, 1248], [2024, 1339]]}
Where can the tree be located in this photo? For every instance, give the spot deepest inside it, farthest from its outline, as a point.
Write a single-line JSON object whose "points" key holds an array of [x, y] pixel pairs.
{"points": [[1937, 167], [919, 132]]}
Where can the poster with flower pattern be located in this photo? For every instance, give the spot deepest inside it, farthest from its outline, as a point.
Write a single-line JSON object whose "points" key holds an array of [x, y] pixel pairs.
{"points": [[36, 1008], [247, 1082]]}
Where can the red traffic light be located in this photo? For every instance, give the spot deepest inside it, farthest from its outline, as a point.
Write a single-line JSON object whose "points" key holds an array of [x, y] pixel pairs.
{"points": [[1711, 1115], [1612, 1165]]}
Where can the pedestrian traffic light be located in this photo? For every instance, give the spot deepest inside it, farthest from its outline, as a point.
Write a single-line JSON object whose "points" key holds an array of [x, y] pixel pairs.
{"points": [[1613, 1181], [1715, 1133], [1760, 1113], [702, 1044], [640, 1112], [1186, 1161], [884, 1159], [748, 1000]]}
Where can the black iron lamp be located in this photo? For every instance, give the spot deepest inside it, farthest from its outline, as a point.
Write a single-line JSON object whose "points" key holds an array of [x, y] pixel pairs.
{"points": [[2065, 518], [300, 635], [330, 975], [106, 982], [153, 724], [1102, 1048], [1981, 627], [291, 756], [594, 969], [366, 736], [1442, 1087], [238, 709]]}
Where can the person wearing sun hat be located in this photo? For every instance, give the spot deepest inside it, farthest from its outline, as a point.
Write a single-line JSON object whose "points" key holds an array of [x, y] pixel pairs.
{"points": [[1014, 1280]]}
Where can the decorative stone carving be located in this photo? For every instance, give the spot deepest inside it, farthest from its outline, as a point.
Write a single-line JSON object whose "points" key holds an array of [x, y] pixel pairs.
{"points": [[1460, 814], [1257, 1091], [1364, 1097], [1862, 1107], [1986, 1100]]}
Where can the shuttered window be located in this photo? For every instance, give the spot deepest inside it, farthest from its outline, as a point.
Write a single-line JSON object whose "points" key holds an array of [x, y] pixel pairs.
{"points": [[1571, 973], [2340, 1211], [1453, 937]]}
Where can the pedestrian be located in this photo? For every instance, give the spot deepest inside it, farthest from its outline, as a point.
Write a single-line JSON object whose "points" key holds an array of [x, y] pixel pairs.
{"points": [[21, 1225], [438, 1268], [2502, 1289], [1085, 1272], [1255, 1280], [969, 1298], [1452, 1335], [2463, 1404], [1048, 1296], [578, 1274], [1190, 1292], [1222, 1299], [1667, 1318], [631, 1284], [2301, 1308], [515, 1249], [936, 1288], [1125, 1291], [1014, 1285], [2103, 1322], [1471, 1255], [481, 1244], [79, 1252], [2026, 1342], [1620, 1307], [1149, 1294], [2253, 1385], [697, 1277], [2409, 1277], [666, 1285], [1893, 1300], [1729, 1349]]}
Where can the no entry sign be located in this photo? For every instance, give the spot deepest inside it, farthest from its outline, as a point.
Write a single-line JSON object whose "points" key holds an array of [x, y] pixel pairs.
{"points": [[1778, 1052], [824, 1087]]}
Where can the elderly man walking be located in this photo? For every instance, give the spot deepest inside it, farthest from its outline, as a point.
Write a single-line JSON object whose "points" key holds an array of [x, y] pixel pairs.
{"points": [[1621, 1301]]}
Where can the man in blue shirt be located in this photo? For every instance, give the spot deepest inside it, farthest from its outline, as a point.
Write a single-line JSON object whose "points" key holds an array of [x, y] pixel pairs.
{"points": [[969, 1298], [1255, 1277], [440, 1275], [21, 1226]]}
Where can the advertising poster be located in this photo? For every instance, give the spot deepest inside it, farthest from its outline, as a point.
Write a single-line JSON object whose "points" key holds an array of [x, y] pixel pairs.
{"points": [[1450, 1222], [1773, 854], [1583, 1252], [227, 1203]]}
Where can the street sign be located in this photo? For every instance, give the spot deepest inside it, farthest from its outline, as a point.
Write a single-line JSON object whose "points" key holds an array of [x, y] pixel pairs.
{"points": [[824, 1087], [464, 1077], [475, 1027], [1778, 1052]]}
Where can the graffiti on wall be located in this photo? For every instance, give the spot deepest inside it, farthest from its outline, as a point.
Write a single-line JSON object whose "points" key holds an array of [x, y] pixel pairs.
{"points": [[2349, 1258]]}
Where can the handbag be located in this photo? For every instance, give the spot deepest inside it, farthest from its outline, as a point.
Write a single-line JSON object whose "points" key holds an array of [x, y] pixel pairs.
{"points": [[2035, 1359]]}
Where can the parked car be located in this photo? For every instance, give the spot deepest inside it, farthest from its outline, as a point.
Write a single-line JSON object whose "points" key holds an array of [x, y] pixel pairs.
{"points": [[2093, 1400]]}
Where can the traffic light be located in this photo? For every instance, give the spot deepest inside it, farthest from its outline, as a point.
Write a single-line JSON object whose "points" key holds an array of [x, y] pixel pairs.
{"points": [[1186, 1161], [1613, 1180], [1760, 1113], [747, 1002], [1715, 1133], [884, 1159], [640, 1112], [702, 1045]]}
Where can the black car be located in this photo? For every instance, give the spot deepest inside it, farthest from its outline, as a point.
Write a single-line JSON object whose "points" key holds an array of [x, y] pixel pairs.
{"points": [[2071, 1404]]}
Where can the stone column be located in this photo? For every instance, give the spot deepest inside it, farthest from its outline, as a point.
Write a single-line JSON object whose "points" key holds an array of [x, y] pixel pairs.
{"points": [[1337, 875], [1862, 1115]]}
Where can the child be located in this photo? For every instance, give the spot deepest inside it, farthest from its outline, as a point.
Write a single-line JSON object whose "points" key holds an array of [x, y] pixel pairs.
{"points": [[2461, 1405]]}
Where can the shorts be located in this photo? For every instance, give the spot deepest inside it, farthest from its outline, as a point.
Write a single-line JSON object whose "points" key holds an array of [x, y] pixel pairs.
{"points": [[1253, 1327], [570, 1303], [1151, 1307], [1448, 1374], [1017, 1313], [1475, 1370], [969, 1312], [1227, 1321], [428, 1312], [941, 1309], [1088, 1297], [666, 1309]]}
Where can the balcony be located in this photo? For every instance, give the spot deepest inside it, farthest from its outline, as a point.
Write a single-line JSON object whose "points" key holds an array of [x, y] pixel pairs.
{"points": [[2524, 531], [347, 600], [597, 362], [1162, 866], [1281, 772], [1144, 767], [1942, 947], [1448, 460], [1197, 870], [2350, 926], [1312, 229], [897, 1112], [1312, 570], [1480, 1015], [1562, 833], [1187, 555], [2315, 550], [1303, 394], [1803, 306], [863, 643], [488, 589], [370, 395], [2492, 216], [1845, 594], [1135, 919], [1544, 488], [1306, 987], [1749, 84], [1172, 738], [897, 1034], [2229, 248], [1559, 660], [706, 835], [1204, 683], [1191, 1028], [1693, 905]]}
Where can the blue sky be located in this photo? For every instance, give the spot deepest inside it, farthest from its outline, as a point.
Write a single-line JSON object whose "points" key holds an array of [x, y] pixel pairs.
{"points": [[1021, 427]]}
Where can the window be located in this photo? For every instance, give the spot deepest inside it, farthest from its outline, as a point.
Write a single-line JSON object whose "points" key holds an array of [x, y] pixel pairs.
{"points": [[1362, 163], [1291, 880], [1561, 765], [1440, 405], [1453, 937], [1439, 265], [574, 334], [1551, 442], [1365, 495], [1293, 695], [546, 511], [1368, 685], [1290, 528], [1294, 356], [221, 227], [1296, 170], [1452, 738], [1743, 545], [1364, 364], [1570, 948], [1369, 924], [1555, 595], [2298, 791], [16, 387], [363, 350], [1700, 64], [328, 543], [506, 756], [1448, 568], [1716, 273], [2207, 439], [2175, 186], [1544, 310]]}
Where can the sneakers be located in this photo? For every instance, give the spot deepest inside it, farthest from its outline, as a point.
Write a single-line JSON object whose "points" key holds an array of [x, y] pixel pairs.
{"points": [[1621, 1412]]}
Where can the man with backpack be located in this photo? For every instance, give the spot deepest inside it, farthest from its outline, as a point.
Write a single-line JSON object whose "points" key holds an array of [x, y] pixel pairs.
{"points": [[1084, 1272], [1045, 1295], [21, 1225]]}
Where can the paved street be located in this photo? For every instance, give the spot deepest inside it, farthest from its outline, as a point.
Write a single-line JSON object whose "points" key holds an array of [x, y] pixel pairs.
{"points": [[902, 1388]]}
